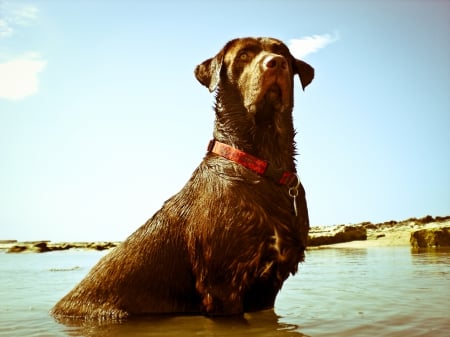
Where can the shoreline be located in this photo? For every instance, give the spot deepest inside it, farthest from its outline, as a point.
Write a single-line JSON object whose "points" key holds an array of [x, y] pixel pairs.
{"points": [[413, 232], [44, 246], [416, 233]]}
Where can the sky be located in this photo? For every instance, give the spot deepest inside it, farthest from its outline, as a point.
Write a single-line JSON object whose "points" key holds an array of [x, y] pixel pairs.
{"points": [[102, 119]]}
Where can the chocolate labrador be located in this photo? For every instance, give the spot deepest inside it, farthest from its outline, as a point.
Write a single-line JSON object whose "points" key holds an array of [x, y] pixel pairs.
{"points": [[228, 240]]}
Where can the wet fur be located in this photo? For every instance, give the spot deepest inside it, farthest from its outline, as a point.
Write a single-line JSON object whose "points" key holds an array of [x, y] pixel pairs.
{"points": [[227, 241]]}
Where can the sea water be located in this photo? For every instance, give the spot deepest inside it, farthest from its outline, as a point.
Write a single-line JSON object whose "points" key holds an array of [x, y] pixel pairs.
{"points": [[382, 291]]}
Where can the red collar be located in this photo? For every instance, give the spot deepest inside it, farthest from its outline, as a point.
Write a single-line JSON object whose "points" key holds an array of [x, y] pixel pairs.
{"points": [[251, 162]]}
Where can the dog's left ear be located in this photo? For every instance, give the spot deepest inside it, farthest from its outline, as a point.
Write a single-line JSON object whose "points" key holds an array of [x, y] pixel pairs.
{"points": [[305, 71], [208, 72]]}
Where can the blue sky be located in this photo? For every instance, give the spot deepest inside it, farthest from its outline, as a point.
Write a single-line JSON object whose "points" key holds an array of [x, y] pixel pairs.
{"points": [[102, 120]]}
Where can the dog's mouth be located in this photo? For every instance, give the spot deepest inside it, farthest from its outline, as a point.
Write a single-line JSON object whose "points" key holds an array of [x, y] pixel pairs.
{"points": [[271, 100], [269, 105], [274, 93]]}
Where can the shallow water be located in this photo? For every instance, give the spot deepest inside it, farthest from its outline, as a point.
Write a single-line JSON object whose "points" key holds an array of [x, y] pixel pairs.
{"points": [[387, 291]]}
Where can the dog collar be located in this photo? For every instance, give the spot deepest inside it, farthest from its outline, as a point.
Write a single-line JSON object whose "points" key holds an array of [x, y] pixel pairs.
{"points": [[257, 165]]}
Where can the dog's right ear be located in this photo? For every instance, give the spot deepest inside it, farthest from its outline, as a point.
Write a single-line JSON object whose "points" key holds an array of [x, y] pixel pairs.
{"points": [[208, 72]]}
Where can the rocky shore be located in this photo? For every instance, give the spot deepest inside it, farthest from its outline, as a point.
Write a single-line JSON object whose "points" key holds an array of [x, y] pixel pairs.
{"points": [[424, 232], [44, 246]]}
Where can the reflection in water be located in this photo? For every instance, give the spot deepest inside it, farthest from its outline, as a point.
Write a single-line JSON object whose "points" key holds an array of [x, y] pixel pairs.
{"points": [[431, 256], [384, 291], [432, 264], [257, 324]]}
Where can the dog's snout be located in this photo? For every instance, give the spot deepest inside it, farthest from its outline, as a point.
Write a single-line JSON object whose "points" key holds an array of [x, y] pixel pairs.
{"points": [[275, 62]]}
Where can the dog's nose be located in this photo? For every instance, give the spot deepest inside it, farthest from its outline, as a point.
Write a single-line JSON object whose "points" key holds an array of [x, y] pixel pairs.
{"points": [[275, 62]]}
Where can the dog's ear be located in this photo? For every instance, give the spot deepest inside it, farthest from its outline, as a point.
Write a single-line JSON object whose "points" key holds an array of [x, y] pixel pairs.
{"points": [[208, 72], [305, 71]]}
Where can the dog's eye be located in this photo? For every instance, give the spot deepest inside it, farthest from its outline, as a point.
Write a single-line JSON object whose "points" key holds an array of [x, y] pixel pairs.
{"points": [[243, 56]]}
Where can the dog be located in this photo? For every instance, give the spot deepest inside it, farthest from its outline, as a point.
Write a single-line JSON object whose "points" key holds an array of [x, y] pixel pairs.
{"points": [[228, 240]]}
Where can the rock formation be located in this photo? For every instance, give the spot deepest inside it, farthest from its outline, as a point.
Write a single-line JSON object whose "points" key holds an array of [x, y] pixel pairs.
{"points": [[431, 237]]}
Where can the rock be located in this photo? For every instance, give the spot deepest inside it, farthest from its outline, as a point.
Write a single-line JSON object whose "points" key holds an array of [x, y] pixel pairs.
{"points": [[17, 249], [47, 246], [101, 245], [41, 247], [342, 234], [431, 237]]}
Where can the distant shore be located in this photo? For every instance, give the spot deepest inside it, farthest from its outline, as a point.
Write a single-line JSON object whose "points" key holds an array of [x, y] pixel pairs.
{"points": [[419, 233], [44, 246], [423, 232]]}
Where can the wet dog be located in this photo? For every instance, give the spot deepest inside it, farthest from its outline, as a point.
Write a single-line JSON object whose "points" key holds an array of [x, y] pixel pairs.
{"points": [[228, 240]]}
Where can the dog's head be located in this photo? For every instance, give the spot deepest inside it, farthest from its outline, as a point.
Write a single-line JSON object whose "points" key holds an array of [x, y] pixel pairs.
{"points": [[260, 69]]}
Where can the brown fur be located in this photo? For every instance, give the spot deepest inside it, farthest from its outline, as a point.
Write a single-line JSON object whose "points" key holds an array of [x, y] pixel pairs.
{"points": [[227, 241]]}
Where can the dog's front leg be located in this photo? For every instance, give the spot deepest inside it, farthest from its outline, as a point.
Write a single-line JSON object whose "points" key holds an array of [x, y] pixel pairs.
{"points": [[221, 279], [226, 259]]}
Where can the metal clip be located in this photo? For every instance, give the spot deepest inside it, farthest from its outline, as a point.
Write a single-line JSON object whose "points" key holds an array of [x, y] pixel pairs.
{"points": [[293, 193]]}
